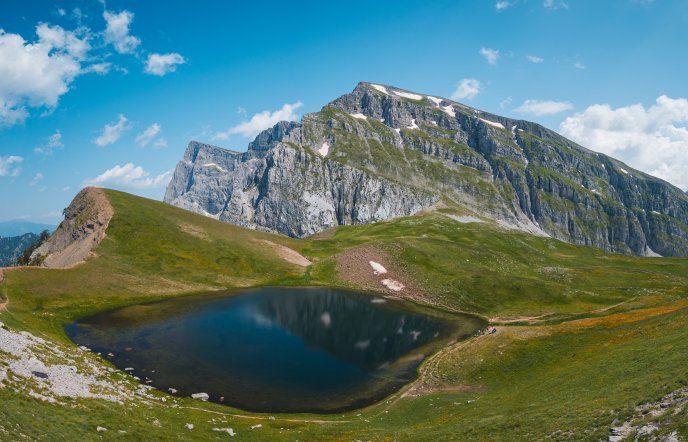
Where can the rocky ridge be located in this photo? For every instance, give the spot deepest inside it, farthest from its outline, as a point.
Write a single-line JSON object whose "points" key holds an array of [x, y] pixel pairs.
{"points": [[381, 152], [85, 222]]}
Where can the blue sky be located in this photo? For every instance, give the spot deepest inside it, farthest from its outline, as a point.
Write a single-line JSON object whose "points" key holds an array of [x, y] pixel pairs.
{"points": [[111, 93]]}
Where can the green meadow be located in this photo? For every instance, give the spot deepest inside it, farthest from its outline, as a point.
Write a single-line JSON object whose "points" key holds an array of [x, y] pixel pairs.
{"points": [[583, 336]]}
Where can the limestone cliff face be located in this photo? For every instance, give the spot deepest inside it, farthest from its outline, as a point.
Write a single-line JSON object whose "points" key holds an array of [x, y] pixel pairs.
{"points": [[381, 152], [287, 189], [204, 177]]}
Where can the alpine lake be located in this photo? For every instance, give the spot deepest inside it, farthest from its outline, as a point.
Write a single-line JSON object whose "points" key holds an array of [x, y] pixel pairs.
{"points": [[274, 349]]}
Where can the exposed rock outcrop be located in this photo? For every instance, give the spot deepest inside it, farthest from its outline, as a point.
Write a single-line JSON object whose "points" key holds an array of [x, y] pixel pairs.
{"points": [[83, 228], [381, 152], [287, 189]]}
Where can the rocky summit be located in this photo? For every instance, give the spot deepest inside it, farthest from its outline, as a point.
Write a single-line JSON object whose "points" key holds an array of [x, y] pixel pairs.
{"points": [[381, 152]]}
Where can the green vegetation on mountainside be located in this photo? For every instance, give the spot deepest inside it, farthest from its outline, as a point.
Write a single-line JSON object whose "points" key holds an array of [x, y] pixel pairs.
{"points": [[565, 378]]}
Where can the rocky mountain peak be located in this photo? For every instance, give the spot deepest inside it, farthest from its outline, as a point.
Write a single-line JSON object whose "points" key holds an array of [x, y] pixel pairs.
{"points": [[381, 151]]}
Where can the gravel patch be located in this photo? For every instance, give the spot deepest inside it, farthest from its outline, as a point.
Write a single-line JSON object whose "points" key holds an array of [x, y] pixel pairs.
{"points": [[32, 366]]}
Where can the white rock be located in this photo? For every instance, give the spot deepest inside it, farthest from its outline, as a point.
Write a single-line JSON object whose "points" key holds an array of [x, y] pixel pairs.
{"points": [[255, 427], [378, 269], [201, 396], [189, 426], [393, 284], [225, 430], [359, 116], [324, 149], [101, 429]]}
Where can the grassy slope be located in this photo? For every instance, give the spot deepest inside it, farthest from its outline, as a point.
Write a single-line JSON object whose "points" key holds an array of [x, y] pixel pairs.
{"points": [[481, 269], [529, 381], [151, 250]]}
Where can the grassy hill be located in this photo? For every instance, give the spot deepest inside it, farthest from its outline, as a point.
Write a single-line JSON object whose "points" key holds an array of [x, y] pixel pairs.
{"points": [[583, 336]]}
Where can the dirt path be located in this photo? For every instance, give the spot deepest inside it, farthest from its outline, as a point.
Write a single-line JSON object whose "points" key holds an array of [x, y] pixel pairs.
{"points": [[3, 302], [286, 253], [265, 418], [536, 319]]}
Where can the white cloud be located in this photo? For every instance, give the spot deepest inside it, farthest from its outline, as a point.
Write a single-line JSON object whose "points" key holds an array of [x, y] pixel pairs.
{"points": [[543, 107], [491, 55], [67, 41], [467, 88], [53, 142], [499, 6], [505, 103], [535, 59], [9, 165], [117, 31], [261, 121], [147, 135], [160, 143], [99, 68], [654, 139], [130, 176], [555, 4], [161, 64], [36, 179], [579, 65], [113, 131], [11, 113], [37, 74]]}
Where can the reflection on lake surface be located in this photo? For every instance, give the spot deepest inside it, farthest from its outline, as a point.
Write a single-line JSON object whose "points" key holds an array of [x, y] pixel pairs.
{"points": [[273, 349]]}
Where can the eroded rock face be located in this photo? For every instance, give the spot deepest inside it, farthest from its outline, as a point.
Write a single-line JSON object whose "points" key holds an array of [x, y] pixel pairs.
{"points": [[381, 152], [85, 222], [289, 190]]}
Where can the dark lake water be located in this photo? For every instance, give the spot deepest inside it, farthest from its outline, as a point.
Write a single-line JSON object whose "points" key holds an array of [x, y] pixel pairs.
{"points": [[273, 349]]}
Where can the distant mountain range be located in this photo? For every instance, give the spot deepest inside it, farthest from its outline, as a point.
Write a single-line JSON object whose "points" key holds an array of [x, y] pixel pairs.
{"points": [[381, 152], [21, 227], [11, 248]]}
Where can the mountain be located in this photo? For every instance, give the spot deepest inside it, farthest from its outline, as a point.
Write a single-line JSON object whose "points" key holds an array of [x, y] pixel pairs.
{"points": [[381, 152], [11, 248], [20, 227]]}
